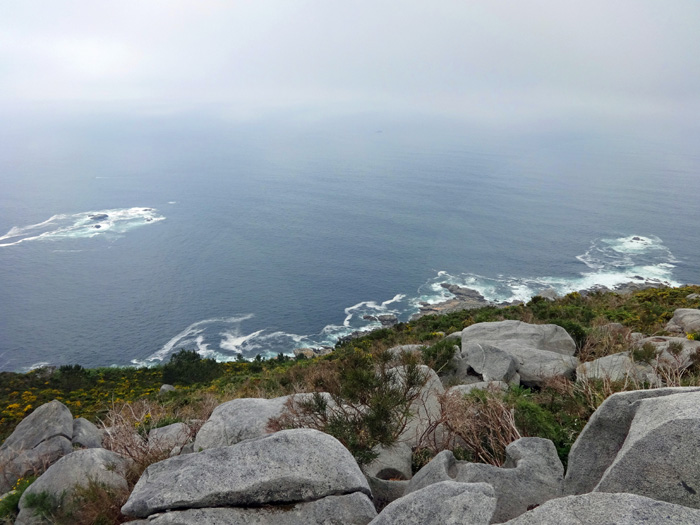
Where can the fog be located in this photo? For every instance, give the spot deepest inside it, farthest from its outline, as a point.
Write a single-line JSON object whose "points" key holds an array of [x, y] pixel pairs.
{"points": [[491, 61]]}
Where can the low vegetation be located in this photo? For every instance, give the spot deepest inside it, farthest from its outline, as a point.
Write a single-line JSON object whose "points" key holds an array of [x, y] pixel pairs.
{"points": [[369, 407]]}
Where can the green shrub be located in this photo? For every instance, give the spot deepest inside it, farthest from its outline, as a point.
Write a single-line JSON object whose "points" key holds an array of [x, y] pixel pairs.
{"points": [[370, 401], [9, 503], [645, 353], [187, 367], [439, 356]]}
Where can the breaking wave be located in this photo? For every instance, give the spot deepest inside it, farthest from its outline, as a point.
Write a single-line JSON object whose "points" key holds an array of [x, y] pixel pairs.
{"points": [[608, 262], [84, 225]]}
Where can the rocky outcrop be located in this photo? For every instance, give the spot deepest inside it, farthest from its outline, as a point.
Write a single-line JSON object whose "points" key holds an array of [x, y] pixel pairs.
{"points": [[548, 337], [655, 459], [464, 299], [531, 475], [38, 441], [288, 467], [447, 502], [78, 468], [685, 321], [237, 420], [490, 362], [607, 436], [350, 509], [617, 367], [607, 509]]}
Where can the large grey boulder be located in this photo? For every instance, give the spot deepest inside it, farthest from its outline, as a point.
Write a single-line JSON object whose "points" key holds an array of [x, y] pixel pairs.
{"points": [[535, 367], [617, 367], [39, 440], [86, 434], [658, 457], [604, 435], [541, 336], [492, 363], [531, 475], [289, 466], [607, 509], [78, 468], [49, 420], [684, 320], [237, 420], [350, 509], [444, 503]]}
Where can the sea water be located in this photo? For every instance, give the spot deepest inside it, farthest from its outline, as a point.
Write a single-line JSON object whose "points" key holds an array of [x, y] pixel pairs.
{"points": [[123, 240]]}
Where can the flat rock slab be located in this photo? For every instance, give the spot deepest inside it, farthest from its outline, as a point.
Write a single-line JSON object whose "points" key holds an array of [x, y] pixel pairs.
{"points": [[541, 336], [290, 466], [604, 435], [607, 509], [531, 475], [352, 509], [444, 503]]}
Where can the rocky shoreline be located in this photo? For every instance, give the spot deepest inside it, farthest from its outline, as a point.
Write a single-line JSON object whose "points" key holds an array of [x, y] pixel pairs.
{"points": [[634, 461]]}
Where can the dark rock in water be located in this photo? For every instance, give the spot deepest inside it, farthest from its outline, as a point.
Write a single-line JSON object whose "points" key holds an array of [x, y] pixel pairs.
{"points": [[465, 299], [312, 352], [148, 219], [387, 320], [351, 337], [98, 216], [636, 238], [97, 226]]}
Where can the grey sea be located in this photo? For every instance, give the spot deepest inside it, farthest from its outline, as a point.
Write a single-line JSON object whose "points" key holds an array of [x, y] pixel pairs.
{"points": [[126, 238]]}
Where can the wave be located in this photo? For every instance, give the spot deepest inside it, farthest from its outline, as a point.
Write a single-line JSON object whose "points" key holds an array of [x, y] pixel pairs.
{"points": [[607, 262], [84, 225]]}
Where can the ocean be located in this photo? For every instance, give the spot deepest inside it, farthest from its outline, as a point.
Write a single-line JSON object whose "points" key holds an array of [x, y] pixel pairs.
{"points": [[125, 238]]}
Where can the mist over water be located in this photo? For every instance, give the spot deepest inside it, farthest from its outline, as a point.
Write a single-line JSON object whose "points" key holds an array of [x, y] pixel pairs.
{"points": [[263, 237]]}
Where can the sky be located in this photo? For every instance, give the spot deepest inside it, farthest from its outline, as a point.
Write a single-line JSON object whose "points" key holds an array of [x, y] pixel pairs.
{"points": [[479, 59]]}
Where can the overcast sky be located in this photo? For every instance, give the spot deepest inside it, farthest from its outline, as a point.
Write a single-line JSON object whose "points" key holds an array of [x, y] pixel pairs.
{"points": [[479, 59]]}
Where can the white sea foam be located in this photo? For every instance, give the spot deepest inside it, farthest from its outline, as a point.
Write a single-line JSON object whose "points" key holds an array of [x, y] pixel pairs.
{"points": [[607, 262], [113, 222]]}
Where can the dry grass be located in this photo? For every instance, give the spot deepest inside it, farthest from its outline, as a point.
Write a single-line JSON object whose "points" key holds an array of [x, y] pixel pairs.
{"points": [[605, 339], [483, 425]]}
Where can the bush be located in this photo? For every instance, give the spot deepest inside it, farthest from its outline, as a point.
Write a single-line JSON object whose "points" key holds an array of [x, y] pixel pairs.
{"points": [[439, 356], [365, 404], [187, 367]]}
